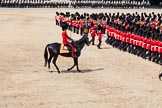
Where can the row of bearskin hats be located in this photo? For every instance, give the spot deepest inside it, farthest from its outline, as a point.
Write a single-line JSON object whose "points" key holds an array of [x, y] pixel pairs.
{"points": [[129, 18]]}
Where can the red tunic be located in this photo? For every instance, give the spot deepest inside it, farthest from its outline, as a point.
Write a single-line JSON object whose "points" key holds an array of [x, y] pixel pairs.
{"points": [[144, 43], [107, 32], [121, 35], [124, 37], [65, 38], [127, 38], [99, 35], [156, 45], [93, 33], [95, 27], [90, 21], [81, 24], [131, 38], [61, 18], [148, 44], [73, 23], [107, 27], [104, 24], [141, 41], [160, 47], [77, 24], [68, 21]]}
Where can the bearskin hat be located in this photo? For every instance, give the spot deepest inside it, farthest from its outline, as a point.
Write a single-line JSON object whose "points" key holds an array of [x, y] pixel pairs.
{"points": [[99, 27], [57, 13], [64, 26]]}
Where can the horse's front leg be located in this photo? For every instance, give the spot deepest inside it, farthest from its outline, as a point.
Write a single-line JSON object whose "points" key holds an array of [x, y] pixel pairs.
{"points": [[69, 69], [160, 75], [72, 66], [76, 63]]}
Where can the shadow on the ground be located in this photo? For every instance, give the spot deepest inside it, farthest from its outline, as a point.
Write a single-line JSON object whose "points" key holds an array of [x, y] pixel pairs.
{"points": [[82, 71]]}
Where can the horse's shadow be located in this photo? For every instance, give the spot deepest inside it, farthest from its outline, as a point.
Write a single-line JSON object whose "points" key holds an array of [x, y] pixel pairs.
{"points": [[160, 76], [82, 71]]}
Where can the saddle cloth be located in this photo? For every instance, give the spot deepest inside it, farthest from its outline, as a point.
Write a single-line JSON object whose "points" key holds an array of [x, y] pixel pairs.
{"points": [[64, 49]]}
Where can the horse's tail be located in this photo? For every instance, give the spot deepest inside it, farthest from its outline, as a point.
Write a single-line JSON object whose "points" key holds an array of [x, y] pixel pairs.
{"points": [[45, 56]]}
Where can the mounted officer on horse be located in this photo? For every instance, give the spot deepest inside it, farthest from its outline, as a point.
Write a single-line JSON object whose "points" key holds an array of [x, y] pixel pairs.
{"points": [[73, 48]]}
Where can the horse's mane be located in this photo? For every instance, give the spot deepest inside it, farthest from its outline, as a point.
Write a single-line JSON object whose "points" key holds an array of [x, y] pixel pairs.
{"points": [[82, 39]]}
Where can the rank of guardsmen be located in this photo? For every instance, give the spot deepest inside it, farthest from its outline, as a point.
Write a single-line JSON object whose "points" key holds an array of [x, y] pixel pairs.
{"points": [[138, 34], [76, 3]]}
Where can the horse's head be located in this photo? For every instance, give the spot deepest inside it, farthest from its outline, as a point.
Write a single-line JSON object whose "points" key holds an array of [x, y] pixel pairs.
{"points": [[85, 40], [80, 43]]}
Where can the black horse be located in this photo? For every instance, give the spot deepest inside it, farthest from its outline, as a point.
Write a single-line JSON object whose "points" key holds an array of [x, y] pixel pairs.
{"points": [[54, 51]]}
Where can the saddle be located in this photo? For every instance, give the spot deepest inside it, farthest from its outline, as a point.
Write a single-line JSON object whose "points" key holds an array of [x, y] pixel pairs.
{"points": [[65, 49]]}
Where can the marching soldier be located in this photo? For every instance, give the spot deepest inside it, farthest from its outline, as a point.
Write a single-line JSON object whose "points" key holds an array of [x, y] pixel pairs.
{"points": [[93, 34], [104, 25], [81, 25], [99, 33], [57, 18]]}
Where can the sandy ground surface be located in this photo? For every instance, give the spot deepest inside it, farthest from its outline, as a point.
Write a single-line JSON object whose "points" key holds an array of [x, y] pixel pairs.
{"points": [[110, 78]]}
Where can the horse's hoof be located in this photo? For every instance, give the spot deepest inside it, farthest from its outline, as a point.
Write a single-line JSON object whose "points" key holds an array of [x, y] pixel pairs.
{"points": [[79, 71], [59, 72], [68, 69]]}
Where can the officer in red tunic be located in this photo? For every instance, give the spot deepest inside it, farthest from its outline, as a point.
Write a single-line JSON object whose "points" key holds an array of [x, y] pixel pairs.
{"points": [[66, 38]]}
